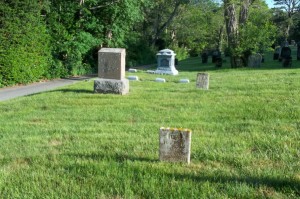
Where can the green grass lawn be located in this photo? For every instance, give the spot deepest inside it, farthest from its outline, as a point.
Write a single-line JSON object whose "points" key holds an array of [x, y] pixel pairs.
{"points": [[72, 143]]}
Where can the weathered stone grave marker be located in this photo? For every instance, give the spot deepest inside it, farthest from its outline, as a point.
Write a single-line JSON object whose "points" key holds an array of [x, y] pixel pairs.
{"points": [[202, 81], [254, 60], [175, 145], [166, 62], [111, 72]]}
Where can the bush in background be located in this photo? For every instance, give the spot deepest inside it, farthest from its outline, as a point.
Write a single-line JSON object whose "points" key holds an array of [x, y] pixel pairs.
{"points": [[24, 48]]}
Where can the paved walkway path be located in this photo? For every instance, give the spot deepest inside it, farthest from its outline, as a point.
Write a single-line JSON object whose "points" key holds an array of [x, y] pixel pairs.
{"points": [[17, 91]]}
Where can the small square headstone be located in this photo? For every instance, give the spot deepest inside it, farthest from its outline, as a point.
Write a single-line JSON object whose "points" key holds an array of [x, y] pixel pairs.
{"points": [[175, 145], [111, 63], [202, 81]]}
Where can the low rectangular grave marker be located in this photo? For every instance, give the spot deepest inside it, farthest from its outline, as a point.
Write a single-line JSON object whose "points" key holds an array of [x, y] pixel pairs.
{"points": [[175, 145]]}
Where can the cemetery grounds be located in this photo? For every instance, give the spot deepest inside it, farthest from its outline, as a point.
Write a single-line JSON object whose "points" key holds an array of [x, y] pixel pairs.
{"points": [[72, 143]]}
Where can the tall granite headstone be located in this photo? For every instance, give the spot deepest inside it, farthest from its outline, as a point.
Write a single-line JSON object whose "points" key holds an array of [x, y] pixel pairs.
{"points": [[111, 72]]}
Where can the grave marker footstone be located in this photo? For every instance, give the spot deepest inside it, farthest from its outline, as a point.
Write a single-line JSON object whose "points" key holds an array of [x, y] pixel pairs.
{"points": [[184, 81], [160, 80], [133, 78], [202, 81], [111, 72], [132, 70], [175, 145]]}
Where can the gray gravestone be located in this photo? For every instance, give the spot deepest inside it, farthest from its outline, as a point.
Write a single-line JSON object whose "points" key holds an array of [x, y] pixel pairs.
{"points": [[202, 81], [254, 60], [166, 62], [111, 72], [175, 145]]}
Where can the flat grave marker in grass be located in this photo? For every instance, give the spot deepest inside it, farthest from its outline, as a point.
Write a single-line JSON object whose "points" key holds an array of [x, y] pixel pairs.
{"points": [[111, 72], [175, 145]]}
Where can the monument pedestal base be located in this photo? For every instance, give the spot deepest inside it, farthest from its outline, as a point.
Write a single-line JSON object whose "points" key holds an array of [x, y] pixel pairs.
{"points": [[166, 72], [111, 86]]}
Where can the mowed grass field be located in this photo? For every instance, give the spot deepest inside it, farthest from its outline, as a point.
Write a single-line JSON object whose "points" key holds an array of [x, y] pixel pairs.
{"points": [[72, 143]]}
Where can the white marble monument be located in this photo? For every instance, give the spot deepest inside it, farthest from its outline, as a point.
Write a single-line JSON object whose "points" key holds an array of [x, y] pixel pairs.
{"points": [[166, 62]]}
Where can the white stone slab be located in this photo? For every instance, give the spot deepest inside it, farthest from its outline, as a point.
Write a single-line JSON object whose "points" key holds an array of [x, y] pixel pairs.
{"points": [[185, 81], [133, 78], [150, 71], [160, 80], [132, 70]]}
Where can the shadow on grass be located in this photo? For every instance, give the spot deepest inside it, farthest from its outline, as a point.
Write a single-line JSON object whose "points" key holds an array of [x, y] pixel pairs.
{"points": [[68, 90], [116, 157], [272, 182], [279, 184]]}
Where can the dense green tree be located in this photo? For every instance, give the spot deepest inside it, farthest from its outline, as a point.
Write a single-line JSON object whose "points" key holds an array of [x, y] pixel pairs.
{"points": [[199, 27], [290, 8], [80, 28], [24, 47]]}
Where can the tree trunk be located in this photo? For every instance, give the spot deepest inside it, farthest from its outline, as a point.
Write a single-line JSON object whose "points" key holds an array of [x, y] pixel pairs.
{"points": [[232, 31], [244, 11], [160, 29], [220, 38]]}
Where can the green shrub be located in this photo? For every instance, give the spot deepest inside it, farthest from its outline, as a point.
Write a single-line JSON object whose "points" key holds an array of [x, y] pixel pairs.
{"points": [[138, 52], [181, 52], [24, 47]]}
